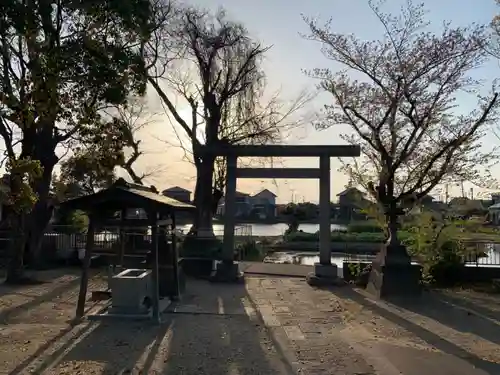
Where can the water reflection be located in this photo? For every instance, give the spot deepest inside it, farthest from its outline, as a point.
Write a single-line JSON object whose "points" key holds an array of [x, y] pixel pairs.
{"points": [[491, 258], [271, 230], [308, 259]]}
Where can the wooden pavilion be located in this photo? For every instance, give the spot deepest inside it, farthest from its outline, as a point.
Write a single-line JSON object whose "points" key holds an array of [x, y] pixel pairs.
{"points": [[112, 207]]}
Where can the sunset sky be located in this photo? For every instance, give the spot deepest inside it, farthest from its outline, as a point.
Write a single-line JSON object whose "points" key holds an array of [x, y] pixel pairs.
{"points": [[278, 23]]}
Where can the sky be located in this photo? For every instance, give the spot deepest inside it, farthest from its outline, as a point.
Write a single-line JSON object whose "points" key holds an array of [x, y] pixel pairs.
{"points": [[279, 24]]}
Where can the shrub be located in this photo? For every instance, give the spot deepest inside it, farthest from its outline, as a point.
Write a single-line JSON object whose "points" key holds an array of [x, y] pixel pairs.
{"points": [[249, 250], [365, 227], [195, 247], [438, 249], [301, 237], [447, 268], [336, 237], [68, 221]]}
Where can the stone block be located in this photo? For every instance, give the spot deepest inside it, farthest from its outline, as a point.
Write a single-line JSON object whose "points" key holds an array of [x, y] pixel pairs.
{"points": [[329, 270], [393, 274], [129, 290], [227, 271], [324, 275]]}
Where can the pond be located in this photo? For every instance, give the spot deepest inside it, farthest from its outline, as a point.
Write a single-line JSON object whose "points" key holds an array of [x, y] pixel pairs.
{"points": [[271, 230], [492, 258], [308, 259]]}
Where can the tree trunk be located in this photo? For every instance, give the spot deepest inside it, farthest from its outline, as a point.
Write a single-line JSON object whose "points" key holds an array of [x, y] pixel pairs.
{"points": [[392, 229], [41, 213], [39, 219], [15, 264], [203, 198]]}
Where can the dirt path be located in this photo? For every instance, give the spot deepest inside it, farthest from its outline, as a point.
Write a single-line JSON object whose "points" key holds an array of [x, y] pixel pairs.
{"points": [[214, 331]]}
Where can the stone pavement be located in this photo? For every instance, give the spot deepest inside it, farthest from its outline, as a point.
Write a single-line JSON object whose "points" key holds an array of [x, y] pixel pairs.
{"points": [[306, 322], [334, 332], [273, 269]]}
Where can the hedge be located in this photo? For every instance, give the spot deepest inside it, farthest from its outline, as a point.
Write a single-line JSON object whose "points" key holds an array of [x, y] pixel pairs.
{"points": [[372, 237]]}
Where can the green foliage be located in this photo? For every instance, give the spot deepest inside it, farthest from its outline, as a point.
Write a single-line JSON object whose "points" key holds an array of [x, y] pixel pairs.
{"points": [[355, 269], [301, 211], [74, 59], [436, 244], [70, 221], [87, 57], [337, 237], [20, 194], [249, 250], [195, 247], [365, 227], [85, 173]]}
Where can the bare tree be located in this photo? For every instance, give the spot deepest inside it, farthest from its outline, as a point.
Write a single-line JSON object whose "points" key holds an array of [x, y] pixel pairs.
{"points": [[135, 117], [398, 95], [493, 44], [223, 87]]}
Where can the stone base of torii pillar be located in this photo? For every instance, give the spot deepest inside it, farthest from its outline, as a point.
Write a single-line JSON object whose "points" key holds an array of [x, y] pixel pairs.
{"points": [[324, 275]]}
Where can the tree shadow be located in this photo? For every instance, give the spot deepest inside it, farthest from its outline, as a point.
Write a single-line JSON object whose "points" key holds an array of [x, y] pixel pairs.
{"points": [[8, 313], [217, 330], [54, 341], [475, 304], [447, 311], [116, 346], [434, 309], [212, 330]]}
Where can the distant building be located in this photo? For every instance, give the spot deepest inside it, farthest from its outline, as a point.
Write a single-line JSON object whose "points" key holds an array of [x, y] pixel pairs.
{"points": [[264, 204], [243, 205], [463, 206], [178, 193], [261, 205], [350, 204]]}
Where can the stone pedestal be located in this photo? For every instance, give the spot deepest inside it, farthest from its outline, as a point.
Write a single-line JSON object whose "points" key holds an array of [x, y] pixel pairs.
{"points": [[227, 272], [324, 274], [393, 275]]}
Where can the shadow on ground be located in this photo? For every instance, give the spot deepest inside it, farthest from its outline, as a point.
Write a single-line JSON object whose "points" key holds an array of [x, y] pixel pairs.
{"points": [[476, 304], [213, 330], [431, 306], [49, 291]]}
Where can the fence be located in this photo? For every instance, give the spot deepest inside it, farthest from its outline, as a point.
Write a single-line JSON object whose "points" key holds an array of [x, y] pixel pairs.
{"points": [[479, 255], [483, 255], [63, 245]]}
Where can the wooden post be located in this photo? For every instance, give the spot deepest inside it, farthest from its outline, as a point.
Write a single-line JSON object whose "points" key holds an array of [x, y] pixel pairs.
{"points": [[153, 216], [121, 254], [175, 256], [84, 280]]}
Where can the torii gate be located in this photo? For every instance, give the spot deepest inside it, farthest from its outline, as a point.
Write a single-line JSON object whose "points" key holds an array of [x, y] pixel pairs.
{"points": [[324, 271]]}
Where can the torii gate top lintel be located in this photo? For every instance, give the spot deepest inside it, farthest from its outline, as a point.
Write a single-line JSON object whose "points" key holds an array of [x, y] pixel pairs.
{"points": [[284, 150]]}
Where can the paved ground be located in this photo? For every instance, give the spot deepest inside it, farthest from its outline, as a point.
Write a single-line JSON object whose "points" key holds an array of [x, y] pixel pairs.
{"points": [[269, 325], [270, 269]]}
